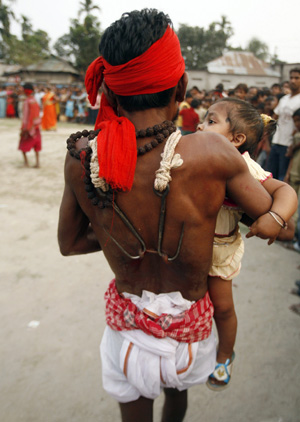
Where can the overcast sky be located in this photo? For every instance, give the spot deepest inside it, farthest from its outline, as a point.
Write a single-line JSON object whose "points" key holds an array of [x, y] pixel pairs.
{"points": [[274, 22]]}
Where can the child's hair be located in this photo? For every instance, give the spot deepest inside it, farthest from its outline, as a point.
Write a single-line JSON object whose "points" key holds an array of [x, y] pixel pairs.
{"points": [[244, 118], [270, 126], [194, 103], [297, 113]]}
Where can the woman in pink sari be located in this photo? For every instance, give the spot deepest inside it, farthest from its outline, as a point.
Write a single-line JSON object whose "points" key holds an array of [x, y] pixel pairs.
{"points": [[30, 129]]}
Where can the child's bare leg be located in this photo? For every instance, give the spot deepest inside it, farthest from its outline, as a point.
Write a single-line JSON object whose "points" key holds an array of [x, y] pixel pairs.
{"points": [[25, 160], [137, 411], [175, 405], [37, 156], [225, 317]]}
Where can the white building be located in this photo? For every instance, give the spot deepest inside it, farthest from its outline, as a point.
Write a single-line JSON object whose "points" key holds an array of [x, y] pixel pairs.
{"points": [[232, 68]]}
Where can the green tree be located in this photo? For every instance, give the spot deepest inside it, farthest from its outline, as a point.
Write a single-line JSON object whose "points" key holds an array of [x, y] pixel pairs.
{"points": [[258, 48], [87, 6], [6, 15], [80, 44], [200, 46], [32, 47]]}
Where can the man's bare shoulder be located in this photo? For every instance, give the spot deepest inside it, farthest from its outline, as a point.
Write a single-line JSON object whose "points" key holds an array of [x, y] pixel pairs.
{"points": [[211, 150], [73, 165]]}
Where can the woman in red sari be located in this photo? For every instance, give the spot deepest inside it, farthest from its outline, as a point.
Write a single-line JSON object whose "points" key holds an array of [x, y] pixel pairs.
{"points": [[49, 118], [10, 110], [30, 129]]}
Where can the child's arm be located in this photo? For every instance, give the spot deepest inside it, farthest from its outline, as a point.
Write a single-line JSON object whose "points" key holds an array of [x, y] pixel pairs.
{"points": [[284, 205], [289, 233]]}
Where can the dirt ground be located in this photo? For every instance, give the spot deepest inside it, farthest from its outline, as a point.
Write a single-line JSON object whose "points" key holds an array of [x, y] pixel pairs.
{"points": [[52, 313]]}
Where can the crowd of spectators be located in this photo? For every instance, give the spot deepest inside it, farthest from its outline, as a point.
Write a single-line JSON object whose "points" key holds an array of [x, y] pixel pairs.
{"points": [[265, 100], [71, 103], [280, 101]]}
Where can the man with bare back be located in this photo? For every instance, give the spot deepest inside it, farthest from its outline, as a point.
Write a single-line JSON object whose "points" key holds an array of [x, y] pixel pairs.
{"points": [[149, 200]]}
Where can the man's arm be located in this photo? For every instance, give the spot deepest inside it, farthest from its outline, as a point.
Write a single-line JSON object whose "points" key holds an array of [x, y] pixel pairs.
{"points": [[245, 190], [75, 234], [242, 188]]}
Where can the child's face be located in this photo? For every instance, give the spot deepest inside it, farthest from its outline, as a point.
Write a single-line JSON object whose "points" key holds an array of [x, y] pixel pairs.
{"points": [[297, 122], [216, 120], [240, 93]]}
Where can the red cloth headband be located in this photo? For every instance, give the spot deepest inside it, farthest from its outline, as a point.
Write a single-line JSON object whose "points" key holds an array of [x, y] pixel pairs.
{"points": [[157, 69]]}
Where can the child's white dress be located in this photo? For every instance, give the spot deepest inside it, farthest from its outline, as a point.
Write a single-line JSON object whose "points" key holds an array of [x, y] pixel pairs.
{"points": [[228, 248]]}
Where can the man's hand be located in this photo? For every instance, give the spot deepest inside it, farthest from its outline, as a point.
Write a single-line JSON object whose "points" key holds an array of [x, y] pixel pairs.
{"points": [[24, 133]]}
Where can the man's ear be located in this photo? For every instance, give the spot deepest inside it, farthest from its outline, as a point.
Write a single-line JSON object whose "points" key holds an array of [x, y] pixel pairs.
{"points": [[239, 139], [181, 88]]}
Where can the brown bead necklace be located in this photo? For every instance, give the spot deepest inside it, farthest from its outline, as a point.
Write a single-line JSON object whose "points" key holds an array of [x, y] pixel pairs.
{"points": [[161, 133], [105, 199]]}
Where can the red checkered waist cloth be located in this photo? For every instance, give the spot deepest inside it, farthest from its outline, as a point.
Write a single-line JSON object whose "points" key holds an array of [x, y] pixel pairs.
{"points": [[190, 326]]}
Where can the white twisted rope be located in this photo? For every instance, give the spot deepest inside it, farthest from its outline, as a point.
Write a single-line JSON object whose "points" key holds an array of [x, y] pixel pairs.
{"points": [[169, 160], [94, 168], [162, 175]]}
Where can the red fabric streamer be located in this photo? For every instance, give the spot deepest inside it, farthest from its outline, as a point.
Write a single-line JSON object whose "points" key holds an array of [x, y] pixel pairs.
{"points": [[157, 69], [117, 152], [190, 326], [93, 79]]}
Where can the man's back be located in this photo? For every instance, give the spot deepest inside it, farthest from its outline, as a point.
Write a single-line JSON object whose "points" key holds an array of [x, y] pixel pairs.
{"points": [[196, 193], [161, 243]]}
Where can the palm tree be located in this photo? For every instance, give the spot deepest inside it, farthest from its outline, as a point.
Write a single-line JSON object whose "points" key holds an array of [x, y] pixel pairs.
{"points": [[26, 26], [87, 6], [5, 15]]}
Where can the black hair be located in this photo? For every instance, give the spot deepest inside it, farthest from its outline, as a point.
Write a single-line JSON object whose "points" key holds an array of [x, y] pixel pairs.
{"points": [[188, 94], [195, 103], [270, 98], [242, 87], [295, 69], [28, 85], [244, 118], [276, 86], [297, 113], [261, 93], [219, 87], [129, 37]]}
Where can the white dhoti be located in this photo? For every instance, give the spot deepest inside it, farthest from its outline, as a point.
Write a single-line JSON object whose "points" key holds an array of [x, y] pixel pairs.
{"points": [[136, 364]]}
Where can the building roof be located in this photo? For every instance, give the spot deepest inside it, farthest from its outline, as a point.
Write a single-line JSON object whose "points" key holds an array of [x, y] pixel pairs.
{"points": [[51, 64], [240, 63], [6, 68]]}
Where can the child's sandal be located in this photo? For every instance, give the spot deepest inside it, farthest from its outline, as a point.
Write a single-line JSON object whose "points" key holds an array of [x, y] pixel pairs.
{"points": [[220, 378]]}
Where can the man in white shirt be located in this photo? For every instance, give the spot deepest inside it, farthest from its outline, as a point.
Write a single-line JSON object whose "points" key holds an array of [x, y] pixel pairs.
{"points": [[278, 161]]}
